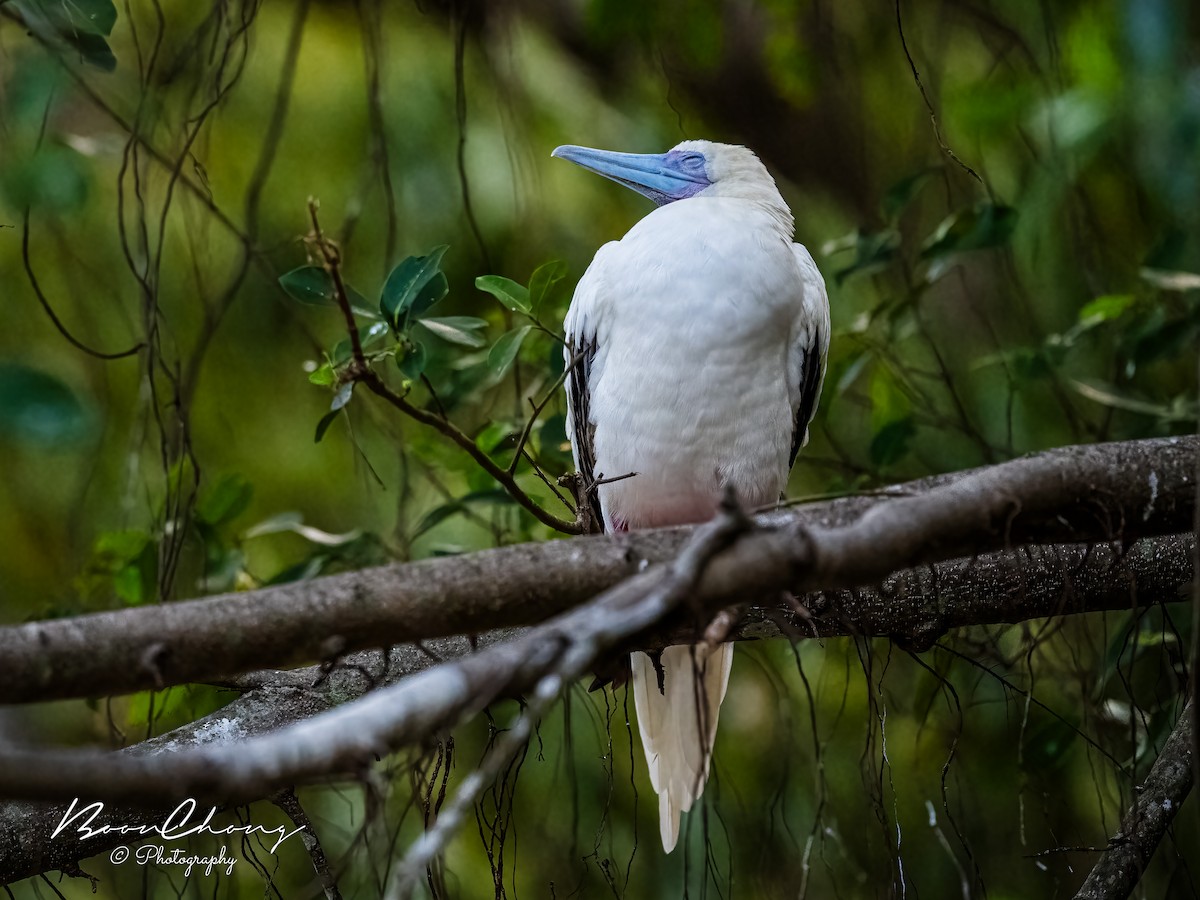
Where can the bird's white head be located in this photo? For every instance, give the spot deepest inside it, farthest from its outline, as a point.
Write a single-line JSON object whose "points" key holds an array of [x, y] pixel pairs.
{"points": [[691, 169]]}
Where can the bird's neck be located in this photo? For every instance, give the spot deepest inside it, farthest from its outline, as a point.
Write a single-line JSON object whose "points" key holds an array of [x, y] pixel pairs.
{"points": [[764, 198]]}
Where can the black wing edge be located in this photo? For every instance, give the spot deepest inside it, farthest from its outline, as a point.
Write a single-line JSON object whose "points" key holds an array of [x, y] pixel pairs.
{"points": [[810, 390], [582, 354]]}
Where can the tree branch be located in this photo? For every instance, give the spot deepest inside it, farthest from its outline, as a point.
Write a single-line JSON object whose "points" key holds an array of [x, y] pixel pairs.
{"points": [[1156, 802], [1031, 497], [1004, 587], [1092, 493]]}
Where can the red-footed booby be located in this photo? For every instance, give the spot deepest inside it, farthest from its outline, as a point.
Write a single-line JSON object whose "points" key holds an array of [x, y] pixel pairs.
{"points": [[700, 341]]}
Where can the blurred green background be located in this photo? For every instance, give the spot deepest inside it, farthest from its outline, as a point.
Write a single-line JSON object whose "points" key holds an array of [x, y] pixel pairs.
{"points": [[1015, 272]]}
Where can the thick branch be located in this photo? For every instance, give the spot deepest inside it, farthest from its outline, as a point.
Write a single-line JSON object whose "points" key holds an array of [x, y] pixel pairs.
{"points": [[345, 740], [1003, 587], [1099, 492], [1157, 801]]}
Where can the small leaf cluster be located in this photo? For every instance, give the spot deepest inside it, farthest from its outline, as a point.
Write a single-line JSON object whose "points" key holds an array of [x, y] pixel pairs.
{"points": [[124, 564], [1158, 322], [402, 328], [451, 358], [890, 391], [980, 226]]}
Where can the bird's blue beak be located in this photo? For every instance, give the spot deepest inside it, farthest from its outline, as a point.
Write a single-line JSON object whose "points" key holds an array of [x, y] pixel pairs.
{"points": [[663, 177]]}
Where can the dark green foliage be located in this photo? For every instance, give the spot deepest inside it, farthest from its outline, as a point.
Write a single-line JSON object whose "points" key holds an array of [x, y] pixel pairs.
{"points": [[514, 296], [313, 285], [412, 287], [983, 225], [39, 410], [80, 26]]}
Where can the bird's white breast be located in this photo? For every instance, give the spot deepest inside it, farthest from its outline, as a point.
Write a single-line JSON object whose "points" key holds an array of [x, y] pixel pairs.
{"points": [[692, 312]]}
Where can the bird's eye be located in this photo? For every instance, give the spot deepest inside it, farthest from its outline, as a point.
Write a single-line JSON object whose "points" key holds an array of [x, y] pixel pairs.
{"points": [[694, 161]]}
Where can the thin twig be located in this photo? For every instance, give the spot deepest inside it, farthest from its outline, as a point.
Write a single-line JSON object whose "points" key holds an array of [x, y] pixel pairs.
{"points": [[62, 329], [377, 386], [290, 804], [537, 470], [937, 131], [537, 410]]}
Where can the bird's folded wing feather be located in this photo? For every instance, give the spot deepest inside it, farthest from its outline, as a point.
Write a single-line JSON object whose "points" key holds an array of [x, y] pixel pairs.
{"points": [[809, 348], [579, 354]]}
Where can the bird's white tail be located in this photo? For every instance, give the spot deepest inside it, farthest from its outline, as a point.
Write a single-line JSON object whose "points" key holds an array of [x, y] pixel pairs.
{"points": [[679, 723]]}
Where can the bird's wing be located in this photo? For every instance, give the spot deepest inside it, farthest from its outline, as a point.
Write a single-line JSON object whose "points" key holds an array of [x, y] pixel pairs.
{"points": [[580, 354], [809, 348]]}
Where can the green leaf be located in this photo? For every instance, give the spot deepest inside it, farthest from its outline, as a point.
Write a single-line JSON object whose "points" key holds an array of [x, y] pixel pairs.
{"points": [[891, 419], [848, 372], [312, 285], [888, 402], [464, 323], [367, 335], [508, 292], [284, 521], [1108, 396], [127, 585], [54, 178], [1159, 336], [78, 24], [1030, 363], [304, 570], [504, 352], [38, 409], [542, 281], [441, 513], [308, 284], [1171, 281], [113, 548], [496, 435], [93, 49], [903, 192], [225, 500], [89, 16], [983, 225], [873, 252], [370, 334], [323, 425], [1105, 309], [890, 443], [412, 363], [342, 397], [457, 330], [125, 561], [102, 14], [324, 375], [413, 287], [435, 517], [294, 522]]}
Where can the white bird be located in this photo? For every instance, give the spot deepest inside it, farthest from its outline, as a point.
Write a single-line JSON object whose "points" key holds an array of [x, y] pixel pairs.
{"points": [[700, 339]]}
